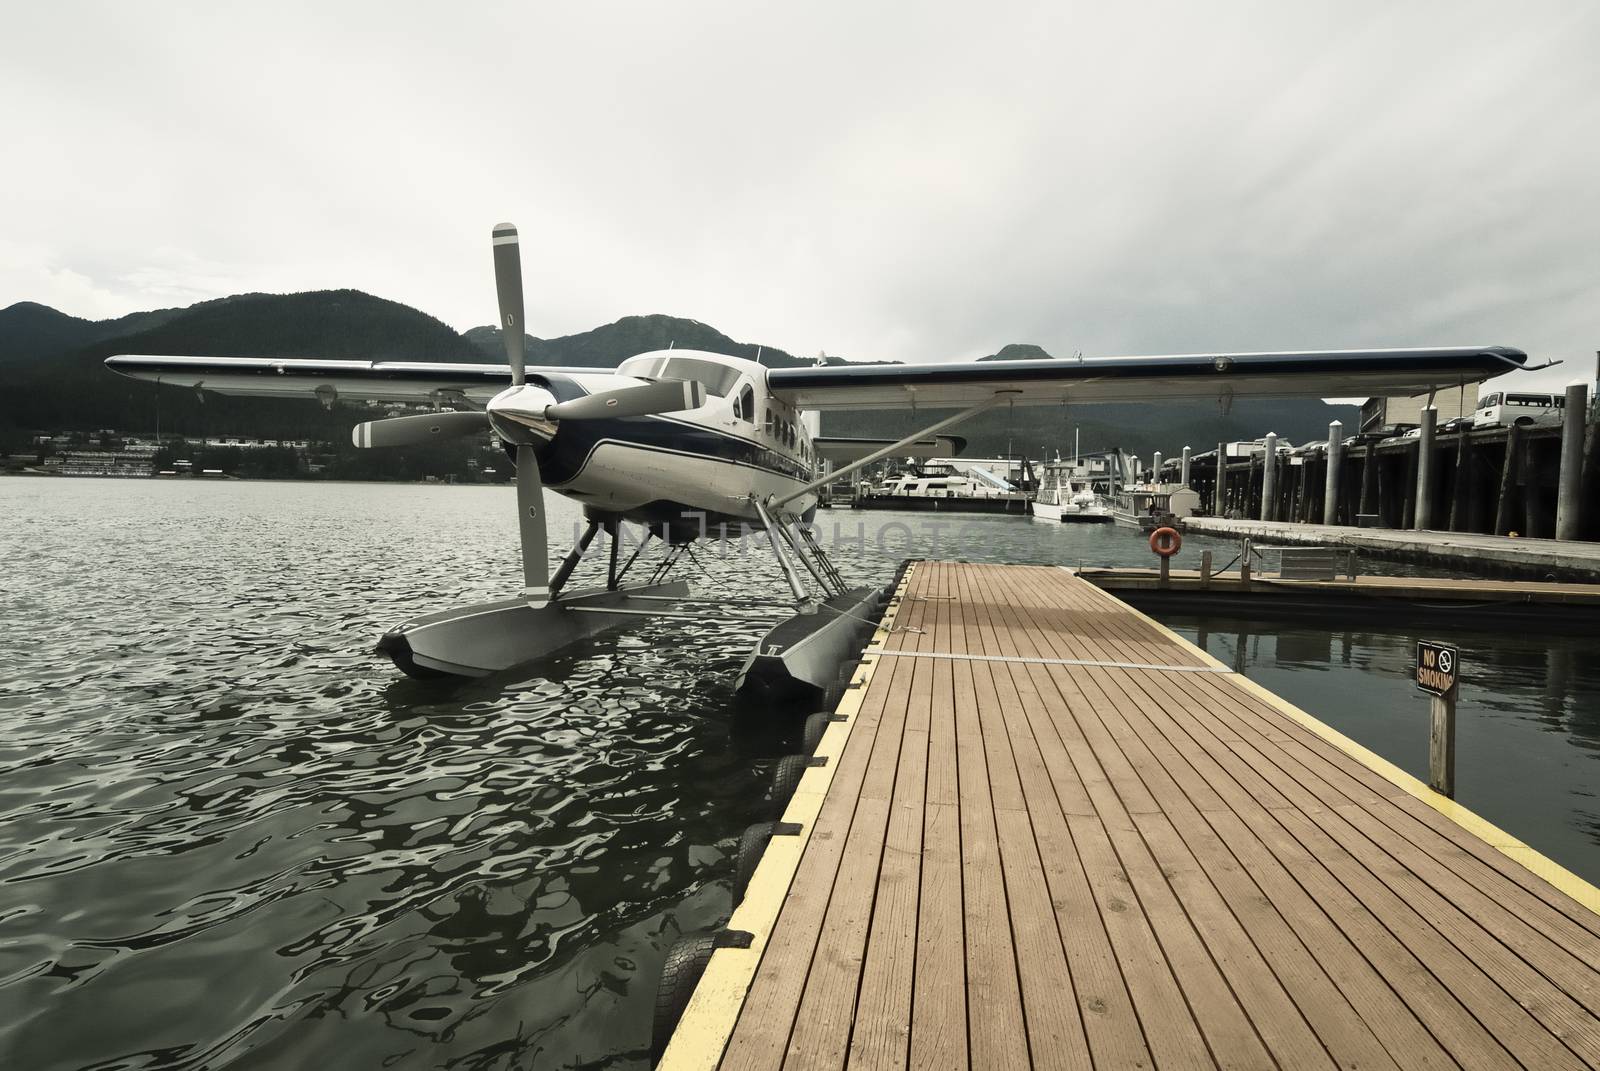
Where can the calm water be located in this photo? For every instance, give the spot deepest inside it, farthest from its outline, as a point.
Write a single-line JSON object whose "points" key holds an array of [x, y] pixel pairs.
{"points": [[230, 836]]}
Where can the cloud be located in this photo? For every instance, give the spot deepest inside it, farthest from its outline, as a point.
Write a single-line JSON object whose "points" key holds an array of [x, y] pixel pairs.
{"points": [[848, 177]]}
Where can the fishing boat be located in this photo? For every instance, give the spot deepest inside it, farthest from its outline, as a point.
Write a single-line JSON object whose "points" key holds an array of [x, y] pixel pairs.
{"points": [[1154, 506], [1063, 496]]}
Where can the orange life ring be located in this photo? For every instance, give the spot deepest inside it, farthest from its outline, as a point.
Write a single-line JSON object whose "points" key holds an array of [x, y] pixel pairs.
{"points": [[1165, 541]]}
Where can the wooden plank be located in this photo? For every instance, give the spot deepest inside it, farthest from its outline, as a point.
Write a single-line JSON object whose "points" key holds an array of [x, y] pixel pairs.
{"points": [[822, 1026], [1561, 1005], [881, 1034], [1115, 1036], [1055, 1030], [1358, 979], [1558, 1015], [1231, 870], [996, 1030], [939, 999], [1271, 1010], [761, 1034], [1229, 1034], [1308, 820], [1424, 993]]}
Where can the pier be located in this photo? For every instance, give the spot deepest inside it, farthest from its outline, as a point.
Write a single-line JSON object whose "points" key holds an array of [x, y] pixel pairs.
{"points": [[1536, 558], [1421, 488], [1042, 830]]}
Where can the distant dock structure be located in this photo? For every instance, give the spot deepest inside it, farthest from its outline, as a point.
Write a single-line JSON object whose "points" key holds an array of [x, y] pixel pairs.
{"points": [[1041, 830], [1517, 499]]}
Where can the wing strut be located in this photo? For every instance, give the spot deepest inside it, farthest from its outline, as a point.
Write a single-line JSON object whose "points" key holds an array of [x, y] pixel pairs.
{"points": [[901, 444], [802, 598]]}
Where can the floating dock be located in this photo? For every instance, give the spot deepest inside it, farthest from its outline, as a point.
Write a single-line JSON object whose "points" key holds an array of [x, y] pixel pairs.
{"points": [[1560, 559], [1044, 831], [1396, 601]]}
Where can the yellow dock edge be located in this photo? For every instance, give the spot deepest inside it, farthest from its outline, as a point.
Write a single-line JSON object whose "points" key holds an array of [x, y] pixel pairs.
{"points": [[707, 1023], [1480, 827]]}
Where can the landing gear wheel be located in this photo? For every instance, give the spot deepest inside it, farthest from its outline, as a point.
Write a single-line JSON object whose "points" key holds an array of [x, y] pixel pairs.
{"points": [[680, 973]]}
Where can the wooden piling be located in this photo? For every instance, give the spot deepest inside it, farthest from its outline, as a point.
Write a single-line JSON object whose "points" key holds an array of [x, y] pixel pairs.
{"points": [[1369, 486], [1425, 452], [1510, 466], [1569, 493], [1459, 483], [1442, 746]]}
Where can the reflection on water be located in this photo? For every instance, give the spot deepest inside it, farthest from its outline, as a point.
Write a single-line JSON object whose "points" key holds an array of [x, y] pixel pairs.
{"points": [[231, 836], [1527, 718]]}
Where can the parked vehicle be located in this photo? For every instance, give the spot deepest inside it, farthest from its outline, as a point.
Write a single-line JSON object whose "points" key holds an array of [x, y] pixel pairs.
{"points": [[1503, 409], [1257, 447], [1378, 434]]}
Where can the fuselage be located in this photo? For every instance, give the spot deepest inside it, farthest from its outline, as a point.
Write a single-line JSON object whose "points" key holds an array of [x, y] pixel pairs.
{"points": [[693, 470]]}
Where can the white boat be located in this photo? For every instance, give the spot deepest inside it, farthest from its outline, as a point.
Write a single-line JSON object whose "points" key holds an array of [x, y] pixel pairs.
{"points": [[1151, 507], [1063, 497]]}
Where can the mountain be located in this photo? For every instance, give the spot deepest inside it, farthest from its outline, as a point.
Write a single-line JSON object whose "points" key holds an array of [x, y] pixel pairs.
{"points": [[610, 345], [1019, 351], [55, 379], [51, 376], [30, 331]]}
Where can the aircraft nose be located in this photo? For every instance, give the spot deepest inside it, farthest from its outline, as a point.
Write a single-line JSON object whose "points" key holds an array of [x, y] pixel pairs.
{"points": [[517, 415]]}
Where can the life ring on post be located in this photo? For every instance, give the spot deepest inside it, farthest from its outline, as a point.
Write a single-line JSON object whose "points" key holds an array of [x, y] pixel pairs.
{"points": [[1165, 541]]}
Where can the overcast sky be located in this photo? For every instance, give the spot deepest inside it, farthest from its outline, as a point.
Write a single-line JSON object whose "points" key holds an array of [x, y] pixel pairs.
{"points": [[906, 181]]}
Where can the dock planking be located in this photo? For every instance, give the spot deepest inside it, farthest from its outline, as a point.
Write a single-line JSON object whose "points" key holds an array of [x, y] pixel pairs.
{"points": [[1051, 833]]}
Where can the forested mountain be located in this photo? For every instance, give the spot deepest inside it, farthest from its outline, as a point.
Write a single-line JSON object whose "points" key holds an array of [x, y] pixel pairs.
{"points": [[51, 375], [30, 331], [609, 346]]}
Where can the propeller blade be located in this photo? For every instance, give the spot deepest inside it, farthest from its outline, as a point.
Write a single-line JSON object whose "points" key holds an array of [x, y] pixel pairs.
{"points": [[530, 524], [508, 287], [421, 428], [666, 396]]}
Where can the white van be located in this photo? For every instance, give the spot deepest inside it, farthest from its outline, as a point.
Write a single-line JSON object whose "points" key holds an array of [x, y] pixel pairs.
{"points": [[1501, 410]]}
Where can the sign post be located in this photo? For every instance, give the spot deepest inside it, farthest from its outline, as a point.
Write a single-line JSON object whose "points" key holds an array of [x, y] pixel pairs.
{"points": [[1438, 669]]}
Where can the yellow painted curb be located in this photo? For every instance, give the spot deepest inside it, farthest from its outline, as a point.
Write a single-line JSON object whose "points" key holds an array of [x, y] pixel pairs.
{"points": [[1469, 820], [708, 1021]]}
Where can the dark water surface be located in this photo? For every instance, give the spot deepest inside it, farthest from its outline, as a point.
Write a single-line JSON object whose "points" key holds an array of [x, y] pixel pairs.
{"points": [[231, 836]]}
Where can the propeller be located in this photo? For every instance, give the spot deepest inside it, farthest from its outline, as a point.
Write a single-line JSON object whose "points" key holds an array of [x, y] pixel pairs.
{"points": [[508, 287], [519, 413], [530, 486], [421, 428], [531, 528], [664, 396]]}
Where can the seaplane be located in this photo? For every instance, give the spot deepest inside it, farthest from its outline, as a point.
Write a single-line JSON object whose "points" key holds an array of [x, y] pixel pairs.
{"points": [[694, 446]]}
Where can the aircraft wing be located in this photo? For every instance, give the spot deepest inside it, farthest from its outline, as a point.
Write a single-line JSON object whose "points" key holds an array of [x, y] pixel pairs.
{"points": [[1192, 376], [837, 448], [382, 381]]}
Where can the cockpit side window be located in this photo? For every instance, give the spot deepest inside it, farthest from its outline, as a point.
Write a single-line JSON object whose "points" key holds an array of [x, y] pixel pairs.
{"points": [[745, 407]]}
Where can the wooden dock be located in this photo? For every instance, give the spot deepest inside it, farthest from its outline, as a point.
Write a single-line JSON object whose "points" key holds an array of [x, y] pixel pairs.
{"points": [[1051, 833], [1564, 559]]}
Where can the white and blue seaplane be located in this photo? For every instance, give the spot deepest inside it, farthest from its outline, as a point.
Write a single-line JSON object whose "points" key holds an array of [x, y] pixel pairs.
{"points": [[692, 445]]}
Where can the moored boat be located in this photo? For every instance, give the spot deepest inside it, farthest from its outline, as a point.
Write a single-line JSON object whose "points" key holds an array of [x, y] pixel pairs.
{"points": [[1065, 497], [1151, 507]]}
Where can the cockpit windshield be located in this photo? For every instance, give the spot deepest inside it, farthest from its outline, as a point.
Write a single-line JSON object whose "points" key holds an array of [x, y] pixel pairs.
{"points": [[718, 379]]}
